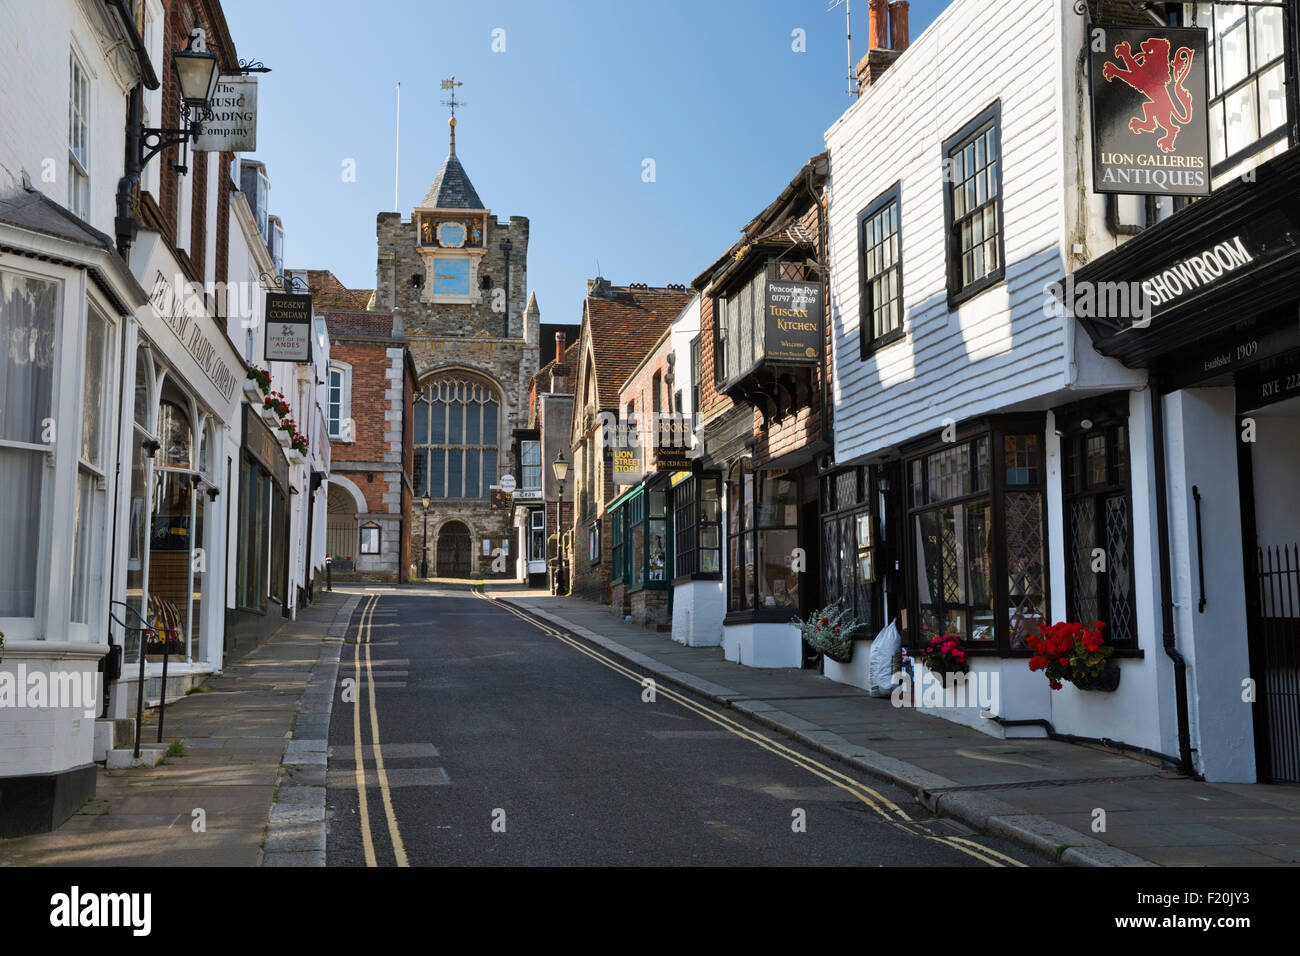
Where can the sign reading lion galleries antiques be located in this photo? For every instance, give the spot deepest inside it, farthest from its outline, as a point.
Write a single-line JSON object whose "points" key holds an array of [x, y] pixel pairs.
{"points": [[1150, 115], [288, 327], [794, 320]]}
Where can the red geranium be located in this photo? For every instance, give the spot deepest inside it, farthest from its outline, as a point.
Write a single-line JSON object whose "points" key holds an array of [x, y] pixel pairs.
{"points": [[1068, 651]]}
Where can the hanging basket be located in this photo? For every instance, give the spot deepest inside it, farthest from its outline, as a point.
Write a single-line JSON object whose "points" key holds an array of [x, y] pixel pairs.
{"points": [[1107, 680], [847, 658]]}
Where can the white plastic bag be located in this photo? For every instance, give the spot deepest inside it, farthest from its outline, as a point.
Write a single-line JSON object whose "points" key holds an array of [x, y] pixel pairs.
{"points": [[880, 663]]}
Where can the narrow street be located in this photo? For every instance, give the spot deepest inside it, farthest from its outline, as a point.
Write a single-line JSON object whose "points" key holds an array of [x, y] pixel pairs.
{"points": [[488, 740]]}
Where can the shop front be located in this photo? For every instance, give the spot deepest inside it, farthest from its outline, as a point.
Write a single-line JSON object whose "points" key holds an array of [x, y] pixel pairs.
{"points": [[183, 397], [641, 550], [698, 596], [1221, 338]]}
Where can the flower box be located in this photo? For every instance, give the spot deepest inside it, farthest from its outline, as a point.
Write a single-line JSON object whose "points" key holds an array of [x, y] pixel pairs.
{"points": [[252, 390], [283, 438]]}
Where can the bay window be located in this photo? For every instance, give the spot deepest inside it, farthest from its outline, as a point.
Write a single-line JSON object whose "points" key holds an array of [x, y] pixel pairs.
{"points": [[978, 549], [697, 525], [762, 535]]}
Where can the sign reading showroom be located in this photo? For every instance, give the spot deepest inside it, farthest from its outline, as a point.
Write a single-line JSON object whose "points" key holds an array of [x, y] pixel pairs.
{"points": [[233, 126], [794, 320], [1149, 111], [288, 327]]}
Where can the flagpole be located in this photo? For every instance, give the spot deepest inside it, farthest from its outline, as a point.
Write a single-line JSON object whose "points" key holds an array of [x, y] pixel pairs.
{"points": [[397, 151]]}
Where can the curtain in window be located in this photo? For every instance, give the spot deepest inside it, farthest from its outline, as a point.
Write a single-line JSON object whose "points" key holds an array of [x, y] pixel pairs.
{"points": [[27, 336]]}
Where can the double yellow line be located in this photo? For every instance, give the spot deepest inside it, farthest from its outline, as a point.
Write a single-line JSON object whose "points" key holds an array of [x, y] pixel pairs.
{"points": [[367, 840], [889, 811]]}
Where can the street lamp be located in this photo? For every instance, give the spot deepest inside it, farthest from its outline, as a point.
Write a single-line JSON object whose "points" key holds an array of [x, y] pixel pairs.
{"points": [[424, 550], [560, 468]]}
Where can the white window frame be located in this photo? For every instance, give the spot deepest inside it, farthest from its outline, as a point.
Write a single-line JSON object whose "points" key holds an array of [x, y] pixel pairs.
{"points": [[334, 426], [79, 94]]}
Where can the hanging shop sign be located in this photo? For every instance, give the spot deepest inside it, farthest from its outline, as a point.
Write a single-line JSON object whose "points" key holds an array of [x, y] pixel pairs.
{"points": [[288, 327], [627, 465], [1150, 110], [672, 443], [233, 125], [794, 320]]}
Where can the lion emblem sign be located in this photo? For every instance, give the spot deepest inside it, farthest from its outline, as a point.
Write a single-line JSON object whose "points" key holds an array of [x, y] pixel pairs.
{"points": [[1150, 72]]}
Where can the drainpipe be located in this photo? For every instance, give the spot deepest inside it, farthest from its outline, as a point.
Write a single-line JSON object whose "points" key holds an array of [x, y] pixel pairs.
{"points": [[824, 279], [1166, 578]]}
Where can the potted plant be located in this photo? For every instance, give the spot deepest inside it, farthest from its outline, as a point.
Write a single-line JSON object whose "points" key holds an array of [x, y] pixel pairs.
{"points": [[277, 403], [259, 379], [298, 442], [943, 655], [1074, 652], [830, 632]]}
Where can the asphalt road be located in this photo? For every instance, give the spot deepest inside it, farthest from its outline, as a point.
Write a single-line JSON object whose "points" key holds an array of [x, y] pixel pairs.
{"points": [[503, 744]]}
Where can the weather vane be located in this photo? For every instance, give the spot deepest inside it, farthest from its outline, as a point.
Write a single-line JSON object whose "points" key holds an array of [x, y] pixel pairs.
{"points": [[452, 103]]}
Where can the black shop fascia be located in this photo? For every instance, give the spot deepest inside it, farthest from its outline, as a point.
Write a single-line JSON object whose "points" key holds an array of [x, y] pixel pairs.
{"points": [[1211, 293]]}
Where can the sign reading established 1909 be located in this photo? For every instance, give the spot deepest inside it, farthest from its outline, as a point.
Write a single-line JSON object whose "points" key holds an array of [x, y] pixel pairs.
{"points": [[794, 320], [288, 327], [1150, 123]]}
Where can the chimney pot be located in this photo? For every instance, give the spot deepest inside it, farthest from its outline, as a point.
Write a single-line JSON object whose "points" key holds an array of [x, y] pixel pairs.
{"points": [[898, 28], [559, 347], [879, 32]]}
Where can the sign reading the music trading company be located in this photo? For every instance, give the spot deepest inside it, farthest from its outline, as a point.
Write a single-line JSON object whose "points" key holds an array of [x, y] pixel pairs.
{"points": [[1150, 116], [288, 327], [794, 320], [233, 125]]}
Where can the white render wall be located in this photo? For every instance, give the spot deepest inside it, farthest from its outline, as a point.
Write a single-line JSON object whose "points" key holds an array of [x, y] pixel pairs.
{"points": [[698, 610], [999, 348]]}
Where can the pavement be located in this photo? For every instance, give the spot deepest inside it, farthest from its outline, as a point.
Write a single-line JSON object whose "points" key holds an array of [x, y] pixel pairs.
{"points": [[242, 741], [1040, 794]]}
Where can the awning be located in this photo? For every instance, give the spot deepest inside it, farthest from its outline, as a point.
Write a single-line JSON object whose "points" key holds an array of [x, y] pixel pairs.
{"points": [[1220, 261]]}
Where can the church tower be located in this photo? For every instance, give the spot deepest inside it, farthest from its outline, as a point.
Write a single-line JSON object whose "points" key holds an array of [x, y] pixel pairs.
{"points": [[458, 279]]}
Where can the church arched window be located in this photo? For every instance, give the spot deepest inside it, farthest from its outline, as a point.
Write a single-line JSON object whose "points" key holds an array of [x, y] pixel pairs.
{"points": [[457, 427]]}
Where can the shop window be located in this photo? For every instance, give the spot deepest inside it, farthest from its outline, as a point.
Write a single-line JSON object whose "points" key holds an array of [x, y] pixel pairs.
{"points": [[849, 545], [1247, 78], [369, 538], [593, 542], [456, 428], [617, 547], [89, 511], [697, 528], [175, 435], [537, 535], [1099, 531], [762, 534], [28, 316], [880, 308], [978, 540], [973, 206]]}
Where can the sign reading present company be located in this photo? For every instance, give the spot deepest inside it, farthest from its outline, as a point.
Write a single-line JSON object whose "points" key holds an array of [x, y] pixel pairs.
{"points": [[288, 327], [233, 126], [1150, 116], [182, 309], [794, 320]]}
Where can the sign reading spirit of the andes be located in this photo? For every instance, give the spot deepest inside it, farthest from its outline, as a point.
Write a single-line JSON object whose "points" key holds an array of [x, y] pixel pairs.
{"points": [[233, 126], [288, 327], [794, 320], [1150, 116]]}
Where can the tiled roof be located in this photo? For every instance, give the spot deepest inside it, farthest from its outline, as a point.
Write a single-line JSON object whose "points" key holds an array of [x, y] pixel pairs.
{"points": [[328, 292], [625, 324], [343, 323], [451, 188], [365, 296]]}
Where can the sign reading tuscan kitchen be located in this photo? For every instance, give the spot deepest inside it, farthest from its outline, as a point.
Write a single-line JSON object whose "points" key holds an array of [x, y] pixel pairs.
{"points": [[794, 320], [288, 327], [1150, 111]]}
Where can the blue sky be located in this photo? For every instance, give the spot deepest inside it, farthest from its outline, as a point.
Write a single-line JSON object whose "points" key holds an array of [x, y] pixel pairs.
{"points": [[556, 127]]}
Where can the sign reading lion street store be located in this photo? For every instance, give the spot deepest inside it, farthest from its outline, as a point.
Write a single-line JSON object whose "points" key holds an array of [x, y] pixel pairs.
{"points": [[288, 327], [794, 320], [1150, 116]]}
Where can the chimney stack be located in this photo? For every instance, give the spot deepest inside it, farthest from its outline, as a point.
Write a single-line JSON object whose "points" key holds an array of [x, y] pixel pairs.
{"points": [[888, 39], [560, 370], [559, 347]]}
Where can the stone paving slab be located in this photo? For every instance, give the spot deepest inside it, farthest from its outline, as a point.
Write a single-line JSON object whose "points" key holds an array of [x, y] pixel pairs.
{"points": [[212, 805], [1039, 792]]}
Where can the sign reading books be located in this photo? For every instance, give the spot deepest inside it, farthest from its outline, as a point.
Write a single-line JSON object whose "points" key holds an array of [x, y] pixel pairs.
{"points": [[288, 327], [233, 126], [1150, 115], [794, 320]]}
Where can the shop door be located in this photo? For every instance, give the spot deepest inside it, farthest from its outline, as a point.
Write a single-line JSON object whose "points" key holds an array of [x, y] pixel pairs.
{"points": [[453, 551], [1272, 524]]}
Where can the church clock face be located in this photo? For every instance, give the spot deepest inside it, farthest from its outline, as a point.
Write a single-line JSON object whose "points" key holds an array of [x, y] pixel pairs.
{"points": [[451, 234], [451, 276]]}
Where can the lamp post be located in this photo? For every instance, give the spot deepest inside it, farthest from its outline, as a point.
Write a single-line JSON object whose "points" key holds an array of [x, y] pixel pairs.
{"points": [[424, 548], [560, 467]]}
